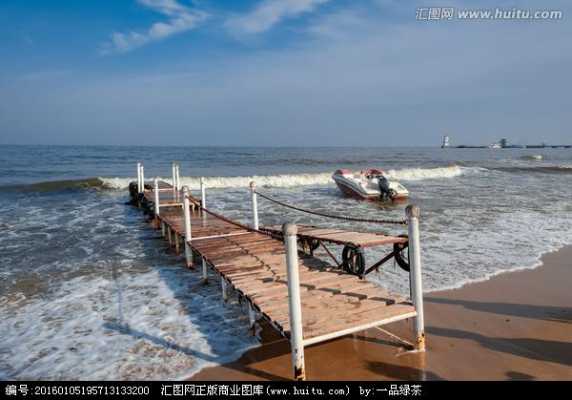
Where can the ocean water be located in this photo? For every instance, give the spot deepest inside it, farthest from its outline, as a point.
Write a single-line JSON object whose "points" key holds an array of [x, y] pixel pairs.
{"points": [[89, 291]]}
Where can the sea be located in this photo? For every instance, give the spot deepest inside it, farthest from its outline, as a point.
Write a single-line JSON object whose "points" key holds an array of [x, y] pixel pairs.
{"points": [[89, 291]]}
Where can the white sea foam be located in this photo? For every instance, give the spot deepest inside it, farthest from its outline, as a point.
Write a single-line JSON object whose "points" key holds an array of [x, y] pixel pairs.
{"points": [[92, 307], [470, 252], [294, 180], [155, 325], [416, 174]]}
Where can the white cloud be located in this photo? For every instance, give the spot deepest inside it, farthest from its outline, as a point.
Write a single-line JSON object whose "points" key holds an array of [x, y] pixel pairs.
{"points": [[181, 19], [270, 12], [369, 80], [342, 24]]}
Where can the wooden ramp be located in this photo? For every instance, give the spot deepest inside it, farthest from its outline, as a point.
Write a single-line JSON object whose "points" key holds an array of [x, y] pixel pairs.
{"points": [[253, 264], [334, 303]]}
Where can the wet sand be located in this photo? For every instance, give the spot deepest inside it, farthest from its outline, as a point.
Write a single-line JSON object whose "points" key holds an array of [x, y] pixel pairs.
{"points": [[517, 325]]}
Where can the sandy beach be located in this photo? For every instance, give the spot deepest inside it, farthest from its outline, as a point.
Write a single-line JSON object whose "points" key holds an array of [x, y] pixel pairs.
{"points": [[517, 325]]}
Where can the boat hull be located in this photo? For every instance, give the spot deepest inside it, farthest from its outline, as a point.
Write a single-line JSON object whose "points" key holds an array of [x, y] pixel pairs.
{"points": [[351, 190]]}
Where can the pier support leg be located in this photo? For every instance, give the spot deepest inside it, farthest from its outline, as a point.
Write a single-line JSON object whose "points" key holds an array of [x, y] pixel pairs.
{"points": [[177, 244], [188, 256], [188, 233], [205, 271], [254, 205], [163, 230], [413, 213], [224, 289], [170, 236], [294, 304], [251, 318]]}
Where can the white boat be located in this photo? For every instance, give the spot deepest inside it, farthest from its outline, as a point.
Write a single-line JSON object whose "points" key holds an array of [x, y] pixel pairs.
{"points": [[370, 184]]}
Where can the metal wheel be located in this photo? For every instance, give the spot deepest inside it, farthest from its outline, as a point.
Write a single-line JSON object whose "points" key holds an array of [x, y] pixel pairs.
{"points": [[353, 260], [401, 251]]}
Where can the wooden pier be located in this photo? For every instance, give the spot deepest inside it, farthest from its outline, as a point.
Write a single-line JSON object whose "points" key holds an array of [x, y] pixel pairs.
{"points": [[304, 298]]}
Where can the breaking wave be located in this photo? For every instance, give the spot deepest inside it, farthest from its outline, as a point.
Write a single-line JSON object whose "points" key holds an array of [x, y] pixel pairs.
{"points": [[218, 182], [53, 186], [293, 180], [417, 174]]}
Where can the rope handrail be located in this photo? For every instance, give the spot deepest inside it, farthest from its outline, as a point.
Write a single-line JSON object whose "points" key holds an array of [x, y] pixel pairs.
{"points": [[225, 219], [340, 217]]}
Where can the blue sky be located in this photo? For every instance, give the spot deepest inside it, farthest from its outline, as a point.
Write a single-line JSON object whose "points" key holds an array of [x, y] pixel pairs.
{"points": [[279, 72]]}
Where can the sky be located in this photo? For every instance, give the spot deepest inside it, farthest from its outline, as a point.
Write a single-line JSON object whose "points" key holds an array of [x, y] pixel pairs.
{"points": [[280, 73]]}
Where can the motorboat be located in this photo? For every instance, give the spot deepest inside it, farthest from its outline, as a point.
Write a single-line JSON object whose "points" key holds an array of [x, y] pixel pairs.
{"points": [[370, 184]]}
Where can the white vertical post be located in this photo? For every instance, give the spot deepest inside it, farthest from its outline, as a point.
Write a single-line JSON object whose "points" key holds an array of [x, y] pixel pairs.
{"points": [[156, 193], [412, 212], [178, 170], [254, 205], [205, 272], [188, 237], [142, 175], [294, 303], [138, 177], [203, 193], [174, 178]]}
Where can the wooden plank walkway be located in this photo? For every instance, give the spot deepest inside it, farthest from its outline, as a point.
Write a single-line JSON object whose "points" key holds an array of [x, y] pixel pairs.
{"points": [[334, 303], [340, 236]]}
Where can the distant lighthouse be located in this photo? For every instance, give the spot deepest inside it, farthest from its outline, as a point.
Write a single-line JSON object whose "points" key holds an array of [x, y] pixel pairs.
{"points": [[445, 143]]}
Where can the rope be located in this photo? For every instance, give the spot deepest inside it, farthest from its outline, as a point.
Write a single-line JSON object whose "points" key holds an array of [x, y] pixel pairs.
{"points": [[225, 219], [341, 217]]}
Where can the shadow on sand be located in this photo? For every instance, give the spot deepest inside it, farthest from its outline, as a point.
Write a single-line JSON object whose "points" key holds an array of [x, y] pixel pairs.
{"points": [[537, 349], [547, 313], [401, 372]]}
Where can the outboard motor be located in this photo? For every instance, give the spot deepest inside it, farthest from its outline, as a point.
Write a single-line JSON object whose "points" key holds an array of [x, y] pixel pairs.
{"points": [[384, 187]]}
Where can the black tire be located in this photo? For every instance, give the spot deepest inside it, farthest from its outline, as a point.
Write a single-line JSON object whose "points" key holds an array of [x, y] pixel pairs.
{"points": [[353, 260], [399, 249]]}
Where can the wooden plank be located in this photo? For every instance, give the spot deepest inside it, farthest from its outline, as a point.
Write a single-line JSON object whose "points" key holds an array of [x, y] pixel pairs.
{"points": [[326, 285], [272, 260], [377, 316], [356, 290], [321, 232], [316, 314], [235, 252], [308, 280], [243, 240], [324, 290], [220, 244]]}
